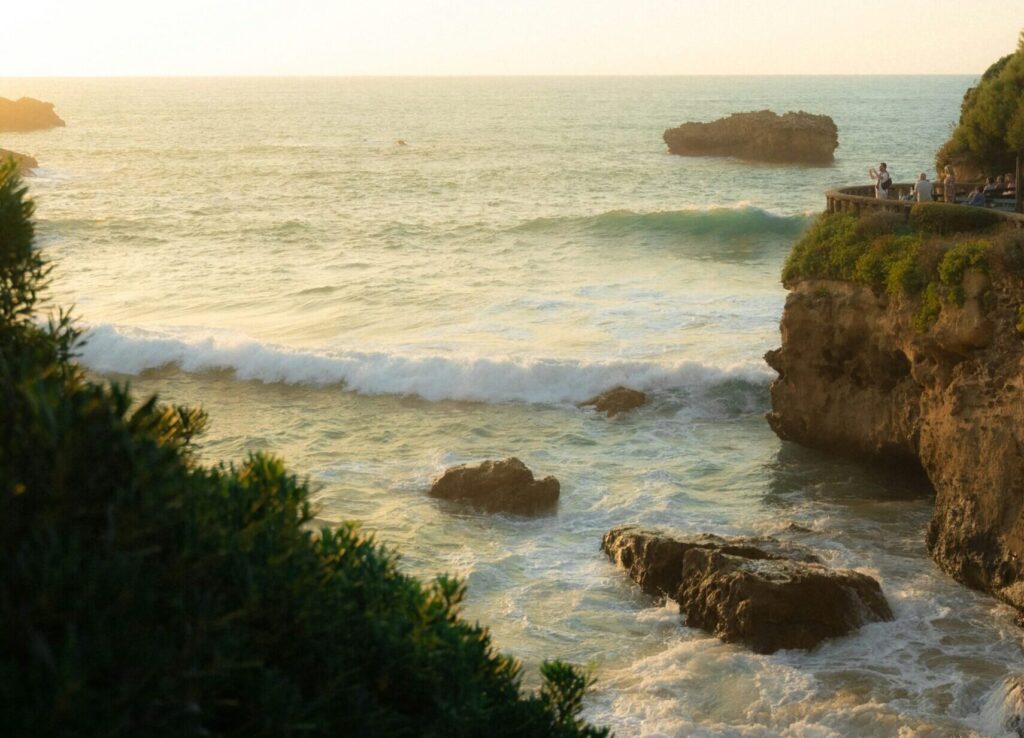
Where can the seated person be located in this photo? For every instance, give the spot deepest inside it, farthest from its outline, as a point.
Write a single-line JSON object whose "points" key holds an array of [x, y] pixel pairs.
{"points": [[977, 197], [993, 185], [922, 191], [1011, 186]]}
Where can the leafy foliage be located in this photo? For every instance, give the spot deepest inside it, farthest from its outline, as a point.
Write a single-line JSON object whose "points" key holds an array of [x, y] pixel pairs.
{"points": [[947, 218], [143, 594], [991, 124], [905, 262], [961, 257]]}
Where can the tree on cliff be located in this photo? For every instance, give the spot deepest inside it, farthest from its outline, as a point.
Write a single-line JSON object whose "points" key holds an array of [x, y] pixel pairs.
{"points": [[990, 134], [145, 594]]}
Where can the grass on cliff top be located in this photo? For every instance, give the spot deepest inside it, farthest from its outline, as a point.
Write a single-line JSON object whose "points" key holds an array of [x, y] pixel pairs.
{"points": [[145, 594], [915, 259]]}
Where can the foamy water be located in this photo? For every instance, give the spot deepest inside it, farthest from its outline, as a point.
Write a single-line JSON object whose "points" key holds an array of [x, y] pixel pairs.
{"points": [[376, 312]]}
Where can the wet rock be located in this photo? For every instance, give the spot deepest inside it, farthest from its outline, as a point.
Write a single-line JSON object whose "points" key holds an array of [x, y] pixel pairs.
{"points": [[24, 162], [617, 400], [27, 114], [765, 593], [859, 378], [498, 486], [801, 137]]}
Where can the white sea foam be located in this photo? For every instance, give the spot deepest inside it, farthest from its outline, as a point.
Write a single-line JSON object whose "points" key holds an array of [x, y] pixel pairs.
{"points": [[129, 350]]}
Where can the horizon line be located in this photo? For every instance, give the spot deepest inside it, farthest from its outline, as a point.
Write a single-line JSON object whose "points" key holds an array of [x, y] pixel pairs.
{"points": [[485, 76]]}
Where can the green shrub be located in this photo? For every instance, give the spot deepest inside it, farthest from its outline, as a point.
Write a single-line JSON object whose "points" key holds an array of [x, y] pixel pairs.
{"points": [[880, 223], [143, 594], [876, 264], [829, 250], [930, 308], [947, 218], [961, 257]]}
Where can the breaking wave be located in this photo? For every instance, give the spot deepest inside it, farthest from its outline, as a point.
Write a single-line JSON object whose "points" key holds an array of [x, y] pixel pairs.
{"points": [[126, 350]]}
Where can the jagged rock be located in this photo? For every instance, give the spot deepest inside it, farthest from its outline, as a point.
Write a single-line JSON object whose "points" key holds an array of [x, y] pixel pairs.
{"points": [[25, 162], [506, 485], [801, 138], [27, 114], [765, 593], [617, 400], [858, 379]]}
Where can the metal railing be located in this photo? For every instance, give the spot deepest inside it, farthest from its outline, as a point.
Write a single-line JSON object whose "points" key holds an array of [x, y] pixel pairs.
{"points": [[862, 199]]}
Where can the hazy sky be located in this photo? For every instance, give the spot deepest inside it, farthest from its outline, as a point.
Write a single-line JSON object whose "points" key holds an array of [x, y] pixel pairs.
{"points": [[385, 37]]}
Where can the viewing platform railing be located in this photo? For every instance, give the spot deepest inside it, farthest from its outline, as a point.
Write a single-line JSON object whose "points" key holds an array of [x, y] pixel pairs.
{"points": [[862, 198]]}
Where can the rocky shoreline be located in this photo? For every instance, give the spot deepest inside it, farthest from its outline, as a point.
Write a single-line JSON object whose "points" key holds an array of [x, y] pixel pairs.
{"points": [[859, 377]]}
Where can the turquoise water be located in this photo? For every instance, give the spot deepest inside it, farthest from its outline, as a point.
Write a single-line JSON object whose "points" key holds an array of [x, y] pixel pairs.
{"points": [[375, 312]]}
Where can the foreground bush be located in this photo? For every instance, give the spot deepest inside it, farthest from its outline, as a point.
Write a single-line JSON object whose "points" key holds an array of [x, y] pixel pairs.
{"points": [[904, 261], [143, 594], [947, 218]]}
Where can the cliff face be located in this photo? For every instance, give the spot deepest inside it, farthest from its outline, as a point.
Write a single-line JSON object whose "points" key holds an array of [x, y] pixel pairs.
{"points": [[759, 136], [856, 378]]}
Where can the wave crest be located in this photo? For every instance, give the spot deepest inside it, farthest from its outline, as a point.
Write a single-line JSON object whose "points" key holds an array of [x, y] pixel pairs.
{"points": [[718, 222], [124, 350]]}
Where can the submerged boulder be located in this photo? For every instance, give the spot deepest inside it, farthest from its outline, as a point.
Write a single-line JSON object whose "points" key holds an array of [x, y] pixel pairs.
{"points": [[498, 486], [801, 138], [27, 114], [24, 162], [764, 593], [617, 400]]}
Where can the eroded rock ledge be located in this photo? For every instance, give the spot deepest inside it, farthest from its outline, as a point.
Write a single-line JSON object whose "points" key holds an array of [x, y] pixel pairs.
{"points": [[856, 378], [24, 162], [764, 593], [800, 138]]}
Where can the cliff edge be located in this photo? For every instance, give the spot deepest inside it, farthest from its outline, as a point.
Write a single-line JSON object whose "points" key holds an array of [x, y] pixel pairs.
{"points": [[800, 138], [905, 346]]}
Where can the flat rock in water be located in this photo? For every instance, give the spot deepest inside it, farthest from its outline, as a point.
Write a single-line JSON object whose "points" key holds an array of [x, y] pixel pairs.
{"points": [[798, 138], [27, 114], [617, 400], [765, 593], [24, 162], [498, 486]]}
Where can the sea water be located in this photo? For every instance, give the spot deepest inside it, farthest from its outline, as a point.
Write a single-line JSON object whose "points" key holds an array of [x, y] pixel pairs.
{"points": [[379, 278]]}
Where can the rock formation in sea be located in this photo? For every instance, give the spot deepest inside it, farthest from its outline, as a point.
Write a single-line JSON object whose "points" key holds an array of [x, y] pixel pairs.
{"points": [[860, 376], [799, 138], [25, 162], [764, 593], [616, 401], [27, 114], [498, 486]]}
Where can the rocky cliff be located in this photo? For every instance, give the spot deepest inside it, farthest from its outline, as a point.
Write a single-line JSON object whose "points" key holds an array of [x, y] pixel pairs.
{"points": [[859, 375], [24, 162], [27, 114], [760, 136]]}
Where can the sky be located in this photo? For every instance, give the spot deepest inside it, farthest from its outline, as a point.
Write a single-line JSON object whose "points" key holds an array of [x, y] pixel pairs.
{"points": [[512, 37]]}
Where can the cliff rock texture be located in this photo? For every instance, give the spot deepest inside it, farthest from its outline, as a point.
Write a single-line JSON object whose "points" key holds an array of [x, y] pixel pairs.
{"points": [[27, 114], [859, 378], [801, 138], [25, 162], [765, 593], [507, 485]]}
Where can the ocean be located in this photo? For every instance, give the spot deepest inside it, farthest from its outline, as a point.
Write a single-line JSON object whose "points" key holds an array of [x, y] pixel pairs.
{"points": [[380, 278]]}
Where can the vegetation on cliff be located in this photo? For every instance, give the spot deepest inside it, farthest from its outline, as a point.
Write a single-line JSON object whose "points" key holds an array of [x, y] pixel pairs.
{"points": [[991, 128], [924, 259], [143, 593]]}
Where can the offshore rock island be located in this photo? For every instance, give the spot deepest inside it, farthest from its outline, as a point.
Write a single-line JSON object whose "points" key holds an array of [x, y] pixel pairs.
{"points": [[793, 138], [909, 349], [27, 114]]}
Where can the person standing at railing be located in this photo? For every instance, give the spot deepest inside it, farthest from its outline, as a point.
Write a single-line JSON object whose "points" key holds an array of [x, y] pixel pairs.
{"points": [[949, 185], [883, 181], [923, 189]]}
